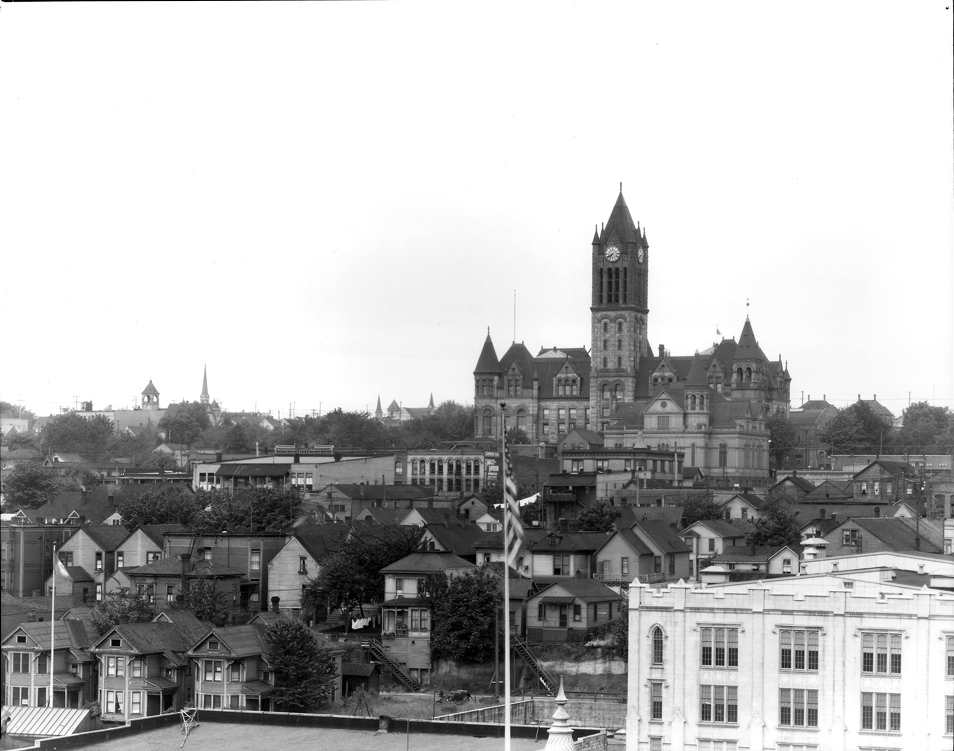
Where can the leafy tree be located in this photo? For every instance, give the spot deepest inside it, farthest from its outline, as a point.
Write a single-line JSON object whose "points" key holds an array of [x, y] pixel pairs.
{"points": [[253, 509], [12, 410], [700, 508], [776, 525], [205, 602], [31, 485], [163, 504], [464, 617], [16, 440], [304, 668], [450, 421], [781, 435], [73, 433], [857, 430], [137, 448], [183, 422], [120, 607], [926, 429], [532, 512], [352, 575], [598, 518], [517, 436]]}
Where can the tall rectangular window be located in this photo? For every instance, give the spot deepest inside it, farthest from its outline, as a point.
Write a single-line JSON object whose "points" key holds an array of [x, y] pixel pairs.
{"points": [[135, 702], [719, 704], [881, 653], [798, 707], [21, 662], [624, 565], [212, 670], [949, 715], [255, 564], [798, 650], [720, 647], [99, 560], [656, 700], [880, 711], [115, 667], [950, 656]]}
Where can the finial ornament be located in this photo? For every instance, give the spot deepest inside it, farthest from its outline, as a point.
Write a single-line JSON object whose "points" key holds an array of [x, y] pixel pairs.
{"points": [[620, 186]]}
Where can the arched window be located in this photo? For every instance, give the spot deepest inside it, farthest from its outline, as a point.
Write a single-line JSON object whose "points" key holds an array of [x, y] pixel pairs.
{"points": [[573, 391], [692, 402], [657, 646], [618, 391], [619, 327], [702, 401], [522, 419], [605, 327], [601, 287], [423, 467], [748, 375], [605, 392], [877, 510], [476, 467], [467, 467], [488, 421], [625, 285]]}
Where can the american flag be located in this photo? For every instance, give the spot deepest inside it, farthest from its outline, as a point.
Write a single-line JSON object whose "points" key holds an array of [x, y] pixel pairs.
{"points": [[515, 537]]}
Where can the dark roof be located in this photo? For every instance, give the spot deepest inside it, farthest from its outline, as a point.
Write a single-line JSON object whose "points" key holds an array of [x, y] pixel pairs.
{"points": [[427, 562], [569, 542], [155, 532], [799, 482], [896, 533], [147, 638], [321, 540], [720, 527], [385, 492], [457, 539], [754, 553], [588, 590], [107, 536], [663, 536], [252, 470], [363, 669], [755, 501], [629, 515], [632, 540], [581, 480], [487, 362], [70, 634]]}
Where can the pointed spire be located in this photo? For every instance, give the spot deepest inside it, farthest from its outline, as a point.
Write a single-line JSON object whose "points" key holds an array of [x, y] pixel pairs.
{"points": [[488, 362], [204, 396], [378, 412], [560, 732], [430, 404], [596, 235], [620, 223]]}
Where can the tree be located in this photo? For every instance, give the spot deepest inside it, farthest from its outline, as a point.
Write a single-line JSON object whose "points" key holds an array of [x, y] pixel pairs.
{"points": [[598, 518], [252, 509], [12, 410], [352, 575], [183, 423], [517, 436], [304, 668], [16, 440], [925, 430], [120, 607], [857, 430], [31, 485], [781, 437], [203, 600], [74, 433], [775, 526], [163, 504], [464, 618], [700, 508], [449, 422]]}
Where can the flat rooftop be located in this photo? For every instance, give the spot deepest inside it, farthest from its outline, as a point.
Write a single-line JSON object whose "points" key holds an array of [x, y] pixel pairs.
{"points": [[215, 736]]}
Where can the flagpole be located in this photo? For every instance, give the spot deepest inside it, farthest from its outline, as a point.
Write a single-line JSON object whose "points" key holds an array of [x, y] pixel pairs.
{"points": [[502, 469], [52, 623]]}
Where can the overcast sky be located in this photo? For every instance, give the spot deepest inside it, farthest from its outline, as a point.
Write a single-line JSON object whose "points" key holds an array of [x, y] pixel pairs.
{"points": [[328, 202]]}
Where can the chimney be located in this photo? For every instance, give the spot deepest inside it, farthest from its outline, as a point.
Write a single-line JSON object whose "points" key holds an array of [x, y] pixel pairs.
{"points": [[662, 350], [275, 601]]}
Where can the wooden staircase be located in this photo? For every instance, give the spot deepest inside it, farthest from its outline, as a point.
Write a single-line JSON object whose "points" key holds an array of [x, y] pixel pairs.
{"points": [[521, 648], [380, 652]]}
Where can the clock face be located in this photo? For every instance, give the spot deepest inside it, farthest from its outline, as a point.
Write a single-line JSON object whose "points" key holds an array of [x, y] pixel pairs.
{"points": [[639, 255], [612, 253]]}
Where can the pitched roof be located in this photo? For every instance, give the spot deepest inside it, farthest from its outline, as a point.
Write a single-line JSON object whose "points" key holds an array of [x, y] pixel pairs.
{"points": [[755, 501], [321, 540], [242, 640], [427, 562], [569, 542], [152, 637], [487, 362], [357, 491], [719, 527], [588, 590], [106, 536], [631, 538], [70, 634], [793, 479], [150, 389], [896, 533], [459, 540], [751, 553], [663, 536], [155, 532]]}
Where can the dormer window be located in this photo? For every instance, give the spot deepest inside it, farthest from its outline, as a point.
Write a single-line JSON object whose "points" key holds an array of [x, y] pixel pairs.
{"points": [[115, 643], [213, 645]]}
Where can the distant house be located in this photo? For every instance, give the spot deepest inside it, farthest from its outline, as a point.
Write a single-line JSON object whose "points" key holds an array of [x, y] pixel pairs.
{"points": [[709, 538], [296, 564], [232, 670], [671, 555], [93, 548], [881, 535], [406, 617], [744, 506], [884, 481], [457, 539], [27, 665], [163, 582], [571, 606], [744, 560], [143, 668], [792, 486], [623, 558], [564, 554], [472, 507]]}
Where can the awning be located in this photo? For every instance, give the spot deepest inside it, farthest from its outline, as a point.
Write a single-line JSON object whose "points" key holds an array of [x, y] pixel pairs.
{"points": [[162, 684], [67, 679], [257, 687], [252, 470], [557, 600]]}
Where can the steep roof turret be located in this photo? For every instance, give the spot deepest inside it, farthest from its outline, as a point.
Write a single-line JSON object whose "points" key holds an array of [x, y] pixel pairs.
{"points": [[748, 347], [204, 396], [150, 389], [621, 224], [487, 362], [697, 372]]}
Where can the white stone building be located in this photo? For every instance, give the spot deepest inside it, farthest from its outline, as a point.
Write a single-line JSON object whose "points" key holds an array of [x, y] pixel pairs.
{"points": [[808, 663]]}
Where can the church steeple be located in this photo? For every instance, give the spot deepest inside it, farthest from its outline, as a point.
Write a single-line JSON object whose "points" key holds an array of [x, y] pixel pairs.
{"points": [[204, 396]]}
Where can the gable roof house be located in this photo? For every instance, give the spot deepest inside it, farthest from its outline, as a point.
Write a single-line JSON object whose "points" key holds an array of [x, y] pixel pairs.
{"points": [[671, 555], [752, 562], [882, 534], [143, 670], [884, 481], [623, 558], [744, 506], [406, 617], [563, 554], [709, 538], [299, 561], [93, 549], [792, 486], [27, 665], [571, 606], [457, 539]]}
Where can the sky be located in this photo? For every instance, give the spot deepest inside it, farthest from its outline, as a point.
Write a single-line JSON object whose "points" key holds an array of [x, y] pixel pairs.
{"points": [[328, 203]]}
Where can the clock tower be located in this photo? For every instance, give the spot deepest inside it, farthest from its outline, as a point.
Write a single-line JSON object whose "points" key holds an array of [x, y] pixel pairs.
{"points": [[618, 312]]}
